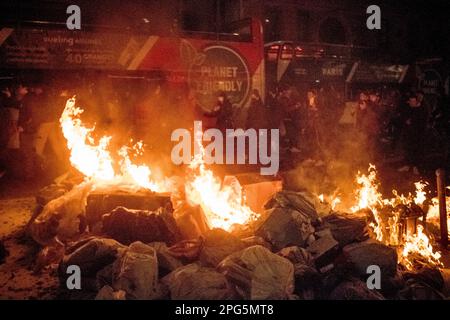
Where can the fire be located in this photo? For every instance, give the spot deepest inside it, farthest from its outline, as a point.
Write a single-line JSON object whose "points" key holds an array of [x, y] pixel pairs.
{"points": [[420, 194], [222, 205], [416, 247], [95, 160], [135, 173], [368, 195], [433, 210], [321, 198], [334, 202]]}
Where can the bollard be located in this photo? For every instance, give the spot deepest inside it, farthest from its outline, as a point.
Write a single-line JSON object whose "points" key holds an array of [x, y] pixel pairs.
{"points": [[440, 179]]}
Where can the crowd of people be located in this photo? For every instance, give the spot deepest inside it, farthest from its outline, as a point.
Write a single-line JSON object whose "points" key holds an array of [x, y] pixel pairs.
{"points": [[308, 120], [31, 140], [29, 126], [387, 123], [408, 121]]}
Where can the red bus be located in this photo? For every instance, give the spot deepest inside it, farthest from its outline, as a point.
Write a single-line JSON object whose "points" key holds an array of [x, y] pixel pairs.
{"points": [[205, 63]]}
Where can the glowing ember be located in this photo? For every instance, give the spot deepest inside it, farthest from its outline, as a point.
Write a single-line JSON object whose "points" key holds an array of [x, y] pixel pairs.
{"points": [[222, 205], [95, 161]]}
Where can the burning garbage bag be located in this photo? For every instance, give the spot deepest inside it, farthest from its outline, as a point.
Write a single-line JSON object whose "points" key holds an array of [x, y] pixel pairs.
{"points": [[194, 282], [136, 272], [258, 274], [127, 225], [62, 217]]}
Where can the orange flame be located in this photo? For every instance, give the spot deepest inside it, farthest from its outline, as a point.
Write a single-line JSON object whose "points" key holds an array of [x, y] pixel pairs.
{"points": [[95, 161], [420, 194], [433, 211], [415, 247], [222, 205], [418, 246]]}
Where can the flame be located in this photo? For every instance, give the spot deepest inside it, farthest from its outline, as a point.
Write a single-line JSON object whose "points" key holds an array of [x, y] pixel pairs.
{"points": [[95, 160], [334, 202], [417, 247], [222, 205], [420, 194], [394, 229], [321, 197], [433, 210], [368, 195]]}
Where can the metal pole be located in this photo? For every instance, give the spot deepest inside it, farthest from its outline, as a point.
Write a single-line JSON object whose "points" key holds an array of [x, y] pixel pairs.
{"points": [[440, 179]]}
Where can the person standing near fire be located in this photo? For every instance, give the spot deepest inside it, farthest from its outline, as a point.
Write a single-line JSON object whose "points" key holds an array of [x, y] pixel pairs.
{"points": [[313, 128], [257, 113], [46, 109], [374, 139], [12, 105], [223, 110], [15, 106], [414, 125], [5, 96], [290, 104], [367, 127]]}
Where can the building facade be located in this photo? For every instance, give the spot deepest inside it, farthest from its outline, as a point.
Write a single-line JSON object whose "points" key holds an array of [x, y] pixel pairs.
{"points": [[333, 24]]}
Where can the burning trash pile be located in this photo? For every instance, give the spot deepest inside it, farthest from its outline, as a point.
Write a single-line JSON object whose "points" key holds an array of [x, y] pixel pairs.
{"points": [[137, 236]]}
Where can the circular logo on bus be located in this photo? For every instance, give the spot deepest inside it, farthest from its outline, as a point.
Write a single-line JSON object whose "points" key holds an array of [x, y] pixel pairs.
{"points": [[218, 69]]}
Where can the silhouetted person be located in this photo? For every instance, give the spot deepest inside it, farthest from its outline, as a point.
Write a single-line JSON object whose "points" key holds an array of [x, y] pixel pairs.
{"points": [[313, 127], [224, 112], [46, 112], [257, 117], [414, 124], [367, 124]]}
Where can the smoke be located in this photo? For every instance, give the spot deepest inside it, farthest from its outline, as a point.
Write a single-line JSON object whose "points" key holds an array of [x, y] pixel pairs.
{"points": [[343, 153]]}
